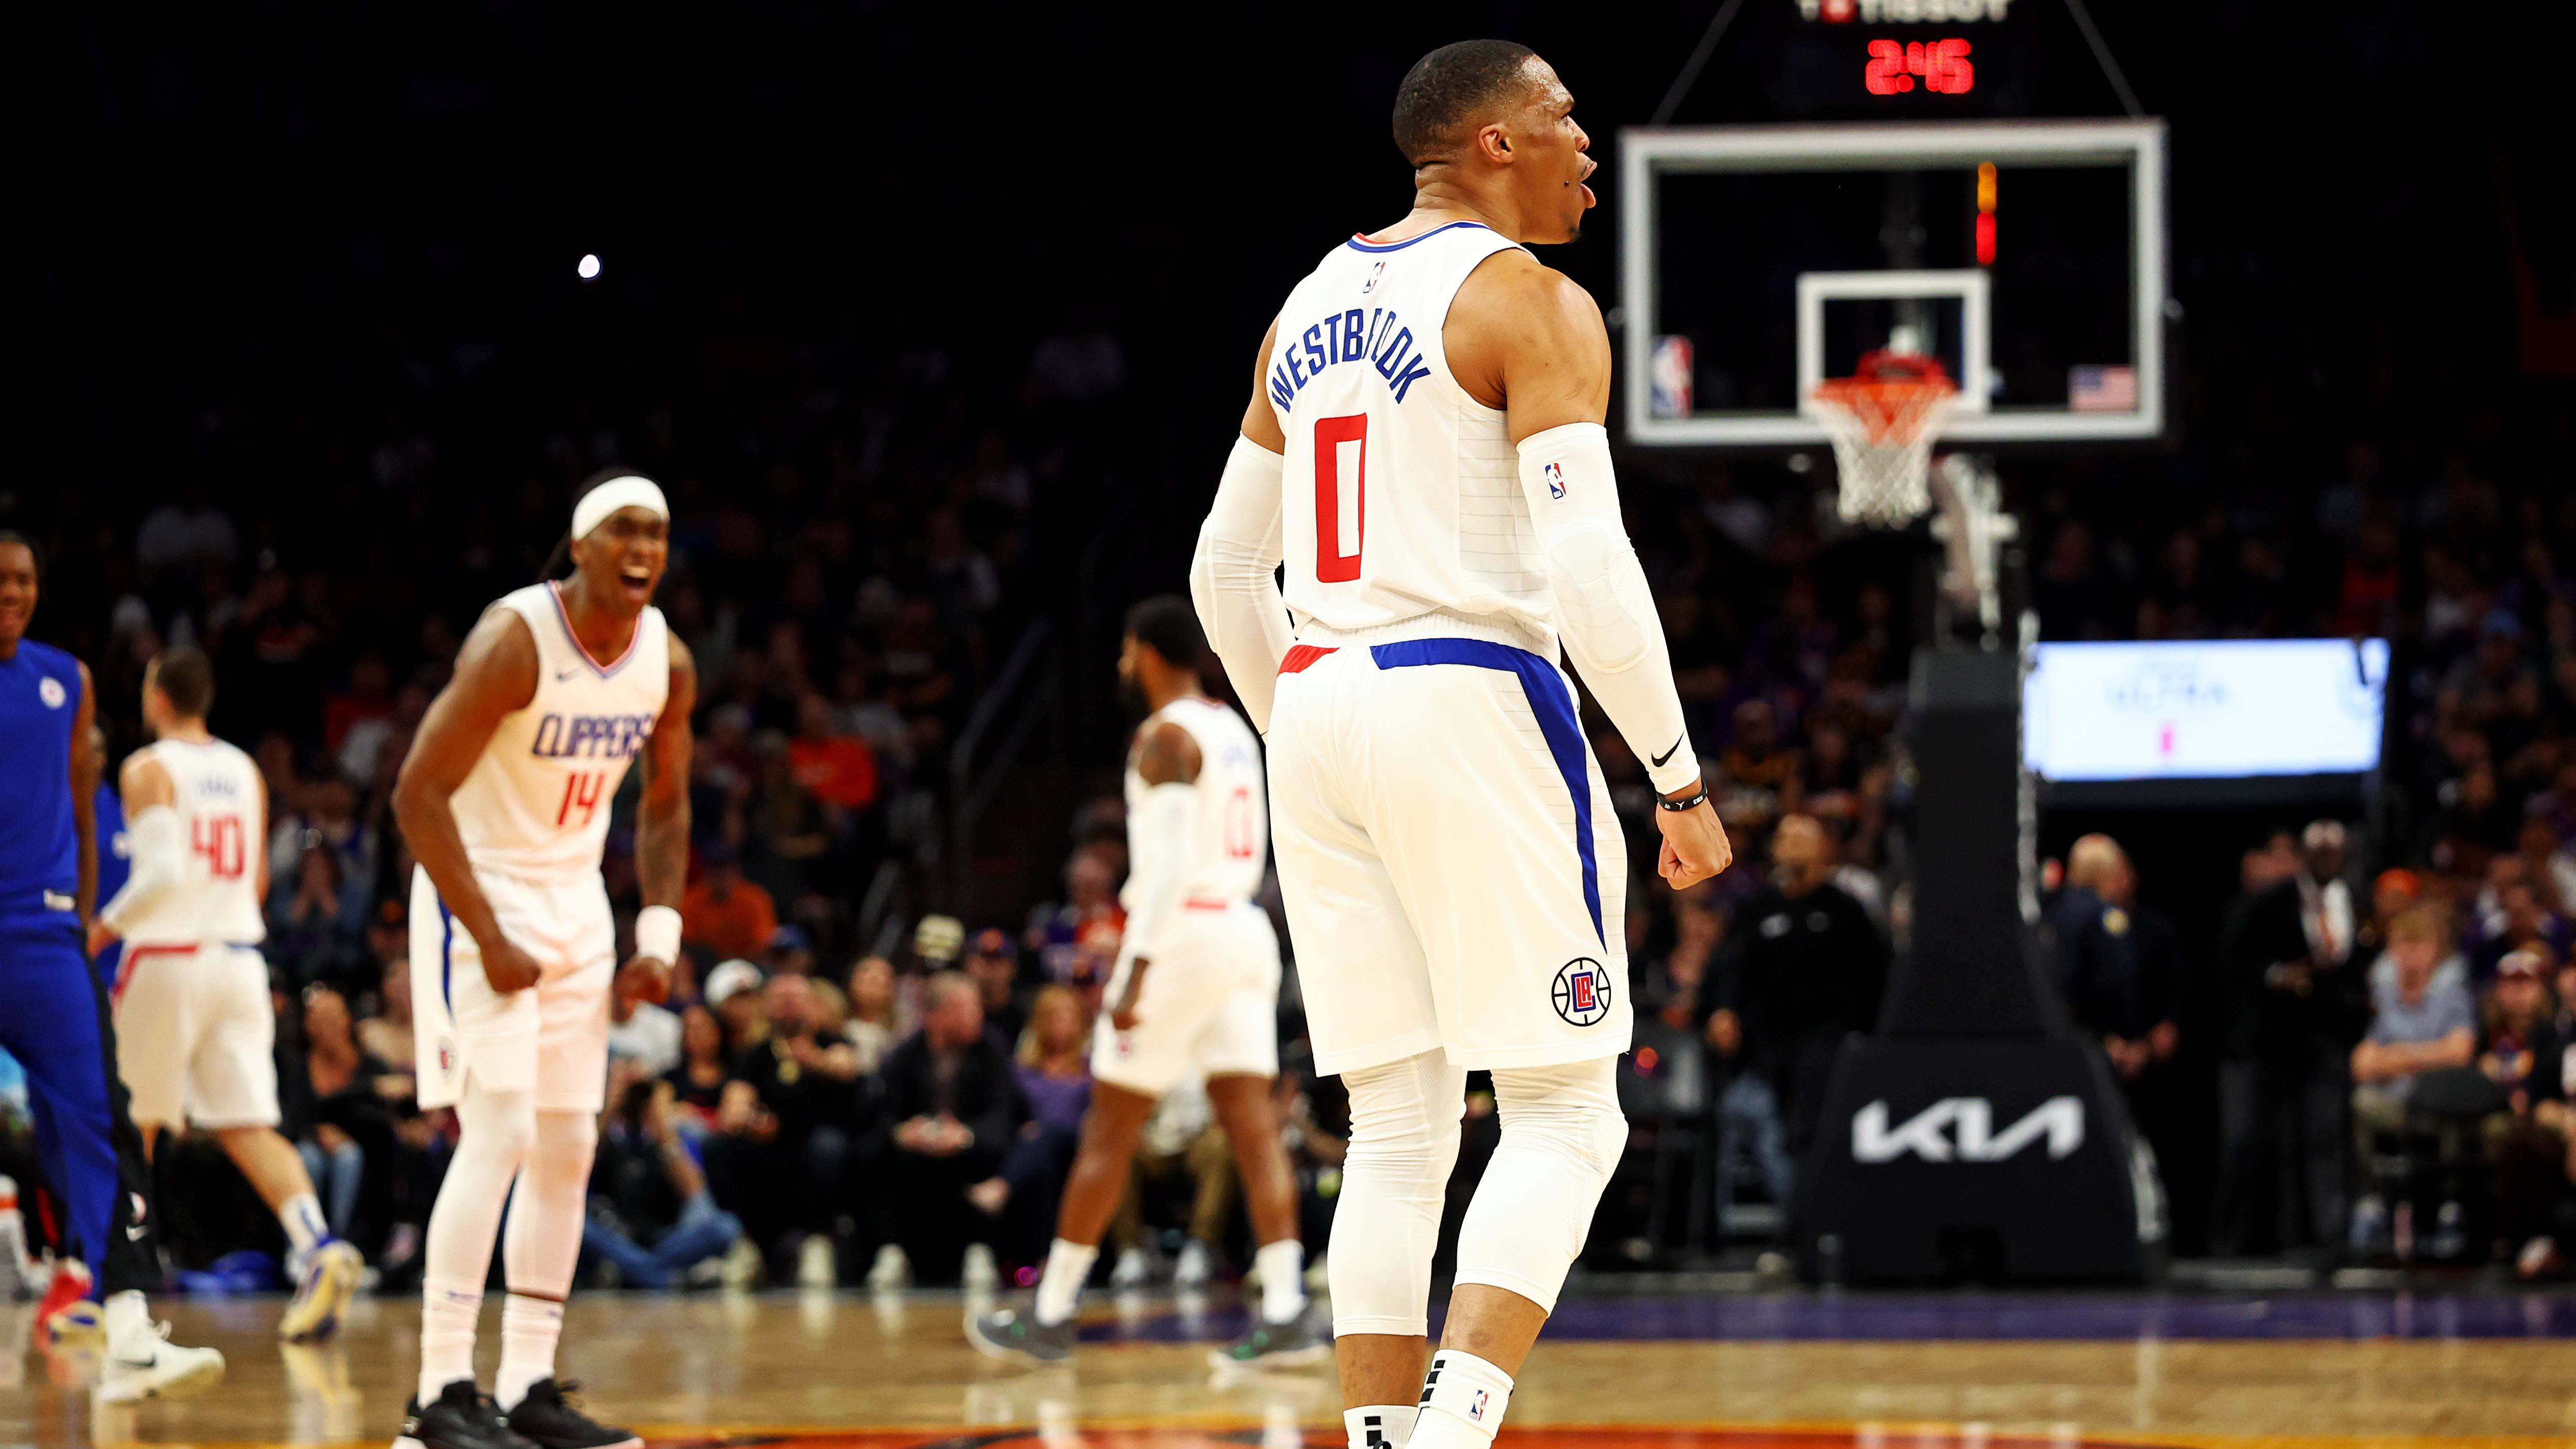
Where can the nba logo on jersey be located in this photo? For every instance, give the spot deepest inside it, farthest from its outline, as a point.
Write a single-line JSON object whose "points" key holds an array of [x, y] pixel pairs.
{"points": [[1581, 994], [1375, 272], [1556, 480]]}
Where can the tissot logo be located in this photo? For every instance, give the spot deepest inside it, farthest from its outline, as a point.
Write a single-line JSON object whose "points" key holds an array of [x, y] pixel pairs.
{"points": [[1901, 12], [1961, 1129]]}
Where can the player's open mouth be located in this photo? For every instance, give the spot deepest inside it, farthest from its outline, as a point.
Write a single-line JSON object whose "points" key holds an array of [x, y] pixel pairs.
{"points": [[638, 582]]}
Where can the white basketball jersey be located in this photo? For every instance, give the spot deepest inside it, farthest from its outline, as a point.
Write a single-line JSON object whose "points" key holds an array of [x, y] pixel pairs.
{"points": [[1233, 832], [536, 805], [222, 824], [1402, 493]]}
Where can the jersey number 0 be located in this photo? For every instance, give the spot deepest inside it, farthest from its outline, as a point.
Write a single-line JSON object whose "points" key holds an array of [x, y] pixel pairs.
{"points": [[1341, 496]]}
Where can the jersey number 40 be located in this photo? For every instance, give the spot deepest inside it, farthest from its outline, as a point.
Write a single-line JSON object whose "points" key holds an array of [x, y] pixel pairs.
{"points": [[219, 839]]}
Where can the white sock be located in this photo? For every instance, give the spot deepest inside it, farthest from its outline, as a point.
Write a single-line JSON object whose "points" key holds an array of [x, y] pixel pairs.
{"points": [[306, 1229], [127, 1319], [1060, 1286], [1463, 1398], [447, 1314], [1379, 1426], [530, 1328], [1281, 1266]]}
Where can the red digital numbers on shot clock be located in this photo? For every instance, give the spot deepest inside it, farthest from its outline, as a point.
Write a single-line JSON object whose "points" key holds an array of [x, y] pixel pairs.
{"points": [[1943, 65]]}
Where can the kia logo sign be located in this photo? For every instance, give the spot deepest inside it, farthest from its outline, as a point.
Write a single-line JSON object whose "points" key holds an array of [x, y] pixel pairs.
{"points": [[1961, 1129]]}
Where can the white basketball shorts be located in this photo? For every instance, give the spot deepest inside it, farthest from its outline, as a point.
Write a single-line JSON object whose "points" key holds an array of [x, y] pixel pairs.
{"points": [[551, 1038], [1209, 1006], [1454, 875], [196, 1034]]}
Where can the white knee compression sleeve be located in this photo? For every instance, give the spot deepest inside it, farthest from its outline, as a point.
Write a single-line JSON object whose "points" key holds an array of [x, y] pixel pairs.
{"points": [[497, 1128], [1562, 1134], [540, 1247], [1404, 1141], [1605, 612]]}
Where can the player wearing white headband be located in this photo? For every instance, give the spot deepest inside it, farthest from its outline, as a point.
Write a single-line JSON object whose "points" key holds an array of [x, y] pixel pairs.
{"points": [[505, 800]]}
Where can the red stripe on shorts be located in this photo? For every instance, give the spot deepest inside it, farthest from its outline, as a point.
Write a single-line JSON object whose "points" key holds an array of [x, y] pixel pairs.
{"points": [[1299, 656]]}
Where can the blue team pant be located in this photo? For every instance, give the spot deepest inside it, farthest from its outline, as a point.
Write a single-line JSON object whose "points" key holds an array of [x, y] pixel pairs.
{"points": [[54, 1019]]}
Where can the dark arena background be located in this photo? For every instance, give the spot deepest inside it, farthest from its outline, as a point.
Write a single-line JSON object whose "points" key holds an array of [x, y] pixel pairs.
{"points": [[2027, 1081]]}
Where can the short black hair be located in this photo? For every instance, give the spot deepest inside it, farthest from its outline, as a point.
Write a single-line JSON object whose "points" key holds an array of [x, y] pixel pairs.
{"points": [[9, 536], [186, 677], [1446, 88], [1168, 625]]}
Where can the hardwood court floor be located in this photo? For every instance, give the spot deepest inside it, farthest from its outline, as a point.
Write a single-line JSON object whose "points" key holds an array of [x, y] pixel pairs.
{"points": [[1789, 1371]]}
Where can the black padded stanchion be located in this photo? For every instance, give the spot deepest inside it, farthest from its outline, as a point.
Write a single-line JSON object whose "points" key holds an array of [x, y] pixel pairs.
{"points": [[1976, 1135]]}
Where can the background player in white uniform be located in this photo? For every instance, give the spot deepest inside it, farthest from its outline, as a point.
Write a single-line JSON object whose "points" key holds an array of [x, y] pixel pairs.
{"points": [[1424, 450], [505, 800], [195, 1031], [1195, 995]]}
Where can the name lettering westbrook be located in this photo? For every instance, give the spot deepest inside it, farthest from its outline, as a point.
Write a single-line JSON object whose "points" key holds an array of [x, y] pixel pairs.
{"points": [[1363, 334]]}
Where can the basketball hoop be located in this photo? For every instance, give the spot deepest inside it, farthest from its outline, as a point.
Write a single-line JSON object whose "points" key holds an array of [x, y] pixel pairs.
{"points": [[1882, 421]]}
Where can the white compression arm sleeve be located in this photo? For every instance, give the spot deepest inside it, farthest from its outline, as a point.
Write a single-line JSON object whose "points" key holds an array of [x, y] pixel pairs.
{"points": [[1159, 837], [152, 838], [1234, 577], [1605, 612]]}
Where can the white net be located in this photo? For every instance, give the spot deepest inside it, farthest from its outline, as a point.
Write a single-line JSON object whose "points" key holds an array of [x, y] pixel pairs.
{"points": [[1883, 421]]}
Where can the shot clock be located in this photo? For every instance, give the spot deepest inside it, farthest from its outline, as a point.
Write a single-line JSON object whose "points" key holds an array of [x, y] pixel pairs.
{"points": [[1885, 60]]}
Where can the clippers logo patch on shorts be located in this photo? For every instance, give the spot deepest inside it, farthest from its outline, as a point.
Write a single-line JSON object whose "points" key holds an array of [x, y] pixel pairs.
{"points": [[1556, 480], [1582, 991]]}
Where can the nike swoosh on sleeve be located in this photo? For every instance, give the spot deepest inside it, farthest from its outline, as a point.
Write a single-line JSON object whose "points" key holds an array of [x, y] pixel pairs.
{"points": [[1668, 754]]}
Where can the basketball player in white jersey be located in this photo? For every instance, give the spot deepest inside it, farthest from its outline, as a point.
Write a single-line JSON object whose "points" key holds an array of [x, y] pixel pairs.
{"points": [[1424, 449], [195, 1031], [505, 800], [1195, 995]]}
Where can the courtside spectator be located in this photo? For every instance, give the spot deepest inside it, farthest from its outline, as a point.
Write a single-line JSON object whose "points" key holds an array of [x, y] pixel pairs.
{"points": [[2416, 1026], [952, 1109], [2529, 1054], [780, 1160], [650, 1212], [1054, 1072]]}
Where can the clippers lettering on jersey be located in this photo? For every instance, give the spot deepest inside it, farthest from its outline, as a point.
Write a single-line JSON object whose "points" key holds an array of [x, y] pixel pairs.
{"points": [[591, 736], [1371, 335]]}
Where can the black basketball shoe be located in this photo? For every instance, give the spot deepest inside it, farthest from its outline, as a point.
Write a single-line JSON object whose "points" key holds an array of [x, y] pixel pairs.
{"points": [[459, 1418], [550, 1419]]}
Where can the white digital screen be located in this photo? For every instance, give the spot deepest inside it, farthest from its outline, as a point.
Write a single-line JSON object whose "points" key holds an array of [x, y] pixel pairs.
{"points": [[2207, 709]]}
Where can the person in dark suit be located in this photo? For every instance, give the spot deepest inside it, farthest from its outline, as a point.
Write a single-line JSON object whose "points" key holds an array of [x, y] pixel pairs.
{"points": [[1810, 970], [951, 1109], [2297, 1003]]}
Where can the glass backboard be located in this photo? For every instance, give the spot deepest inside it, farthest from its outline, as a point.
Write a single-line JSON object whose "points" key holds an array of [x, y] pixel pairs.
{"points": [[2027, 256]]}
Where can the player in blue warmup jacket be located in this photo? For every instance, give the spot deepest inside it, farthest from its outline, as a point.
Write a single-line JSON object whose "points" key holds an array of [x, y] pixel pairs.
{"points": [[53, 1008]]}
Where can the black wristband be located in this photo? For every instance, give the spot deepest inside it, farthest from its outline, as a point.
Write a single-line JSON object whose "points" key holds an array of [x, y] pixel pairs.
{"points": [[1692, 802]]}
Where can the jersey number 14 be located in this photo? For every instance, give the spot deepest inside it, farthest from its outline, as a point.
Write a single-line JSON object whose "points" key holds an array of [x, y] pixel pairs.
{"points": [[581, 793]]}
